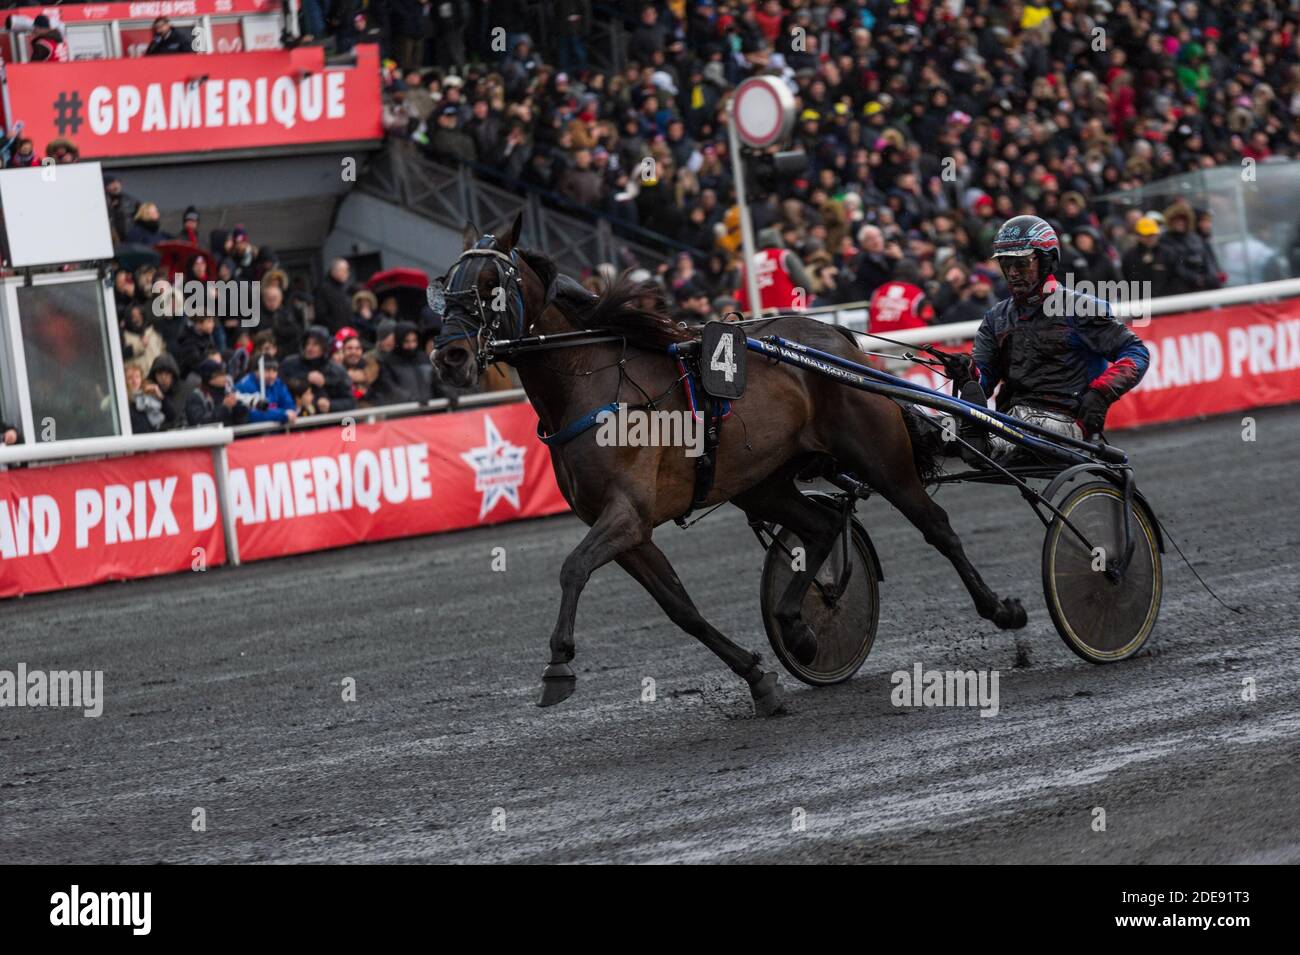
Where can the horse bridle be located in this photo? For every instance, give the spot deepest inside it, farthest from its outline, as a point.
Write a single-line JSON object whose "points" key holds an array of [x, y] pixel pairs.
{"points": [[456, 297]]}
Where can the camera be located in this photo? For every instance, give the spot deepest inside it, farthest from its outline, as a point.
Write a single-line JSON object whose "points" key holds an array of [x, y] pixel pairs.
{"points": [[252, 401]]}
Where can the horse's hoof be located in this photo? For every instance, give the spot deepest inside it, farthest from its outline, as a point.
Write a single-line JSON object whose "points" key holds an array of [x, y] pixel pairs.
{"points": [[1011, 615], [803, 645], [769, 697], [558, 684]]}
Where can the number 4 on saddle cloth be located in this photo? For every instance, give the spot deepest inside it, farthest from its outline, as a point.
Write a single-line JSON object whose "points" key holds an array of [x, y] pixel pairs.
{"points": [[719, 366], [722, 360]]}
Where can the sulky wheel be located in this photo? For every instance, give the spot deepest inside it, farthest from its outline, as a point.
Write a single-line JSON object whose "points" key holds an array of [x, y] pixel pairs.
{"points": [[1101, 616], [845, 627]]}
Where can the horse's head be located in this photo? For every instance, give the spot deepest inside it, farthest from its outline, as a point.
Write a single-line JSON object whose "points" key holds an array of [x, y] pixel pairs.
{"points": [[487, 295]]}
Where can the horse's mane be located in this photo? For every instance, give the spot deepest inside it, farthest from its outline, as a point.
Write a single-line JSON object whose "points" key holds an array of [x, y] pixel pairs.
{"points": [[638, 310], [540, 264]]}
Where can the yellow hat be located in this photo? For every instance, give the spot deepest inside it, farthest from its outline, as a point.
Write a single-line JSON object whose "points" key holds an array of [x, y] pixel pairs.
{"points": [[1147, 226], [841, 109], [809, 114], [872, 108]]}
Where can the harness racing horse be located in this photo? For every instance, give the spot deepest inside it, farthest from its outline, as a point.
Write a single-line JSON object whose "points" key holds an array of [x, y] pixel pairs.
{"points": [[788, 422]]}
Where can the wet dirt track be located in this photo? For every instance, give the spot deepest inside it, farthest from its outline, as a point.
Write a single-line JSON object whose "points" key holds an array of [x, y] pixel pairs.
{"points": [[223, 692]]}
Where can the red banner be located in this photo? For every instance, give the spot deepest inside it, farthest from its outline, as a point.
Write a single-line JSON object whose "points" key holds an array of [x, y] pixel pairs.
{"points": [[145, 10], [165, 105], [75, 524], [332, 487], [1205, 363]]}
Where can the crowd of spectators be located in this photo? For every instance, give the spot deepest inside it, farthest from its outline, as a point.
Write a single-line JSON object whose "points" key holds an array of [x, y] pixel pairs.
{"points": [[196, 352], [926, 125]]}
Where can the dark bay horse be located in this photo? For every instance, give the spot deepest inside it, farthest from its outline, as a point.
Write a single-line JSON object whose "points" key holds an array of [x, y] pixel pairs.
{"points": [[787, 421]]}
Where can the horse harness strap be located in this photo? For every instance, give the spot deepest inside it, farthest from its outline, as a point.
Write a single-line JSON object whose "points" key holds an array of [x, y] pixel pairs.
{"points": [[707, 407]]}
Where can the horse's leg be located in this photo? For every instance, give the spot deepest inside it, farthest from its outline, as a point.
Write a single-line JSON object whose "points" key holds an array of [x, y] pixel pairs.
{"points": [[890, 468], [648, 565], [618, 528], [780, 501]]}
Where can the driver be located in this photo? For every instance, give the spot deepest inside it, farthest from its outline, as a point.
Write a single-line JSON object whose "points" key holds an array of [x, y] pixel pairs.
{"points": [[1061, 359]]}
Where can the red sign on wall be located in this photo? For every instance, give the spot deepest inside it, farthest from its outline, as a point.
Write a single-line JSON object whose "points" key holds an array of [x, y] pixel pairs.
{"points": [[331, 487], [145, 10], [164, 105], [77, 524]]}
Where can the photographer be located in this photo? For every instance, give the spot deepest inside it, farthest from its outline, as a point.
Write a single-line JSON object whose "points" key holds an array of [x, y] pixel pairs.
{"points": [[271, 398]]}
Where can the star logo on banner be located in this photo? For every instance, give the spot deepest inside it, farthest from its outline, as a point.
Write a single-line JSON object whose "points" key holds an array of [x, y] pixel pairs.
{"points": [[498, 469]]}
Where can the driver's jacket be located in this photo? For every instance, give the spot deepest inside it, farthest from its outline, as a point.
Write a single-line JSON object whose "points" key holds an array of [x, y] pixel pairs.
{"points": [[1050, 355]]}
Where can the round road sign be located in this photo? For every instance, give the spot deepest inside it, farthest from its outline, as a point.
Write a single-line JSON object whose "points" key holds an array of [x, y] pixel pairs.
{"points": [[763, 111]]}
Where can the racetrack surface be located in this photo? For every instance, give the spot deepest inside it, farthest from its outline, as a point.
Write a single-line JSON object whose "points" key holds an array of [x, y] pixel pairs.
{"points": [[223, 691]]}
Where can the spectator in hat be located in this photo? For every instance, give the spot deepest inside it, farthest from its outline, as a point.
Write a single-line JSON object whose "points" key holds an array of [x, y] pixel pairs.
{"points": [[47, 44], [264, 380], [520, 67], [449, 140], [166, 39], [332, 389], [212, 402], [364, 306], [190, 226], [1085, 258], [385, 341], [244, 254], [1192, 266], [350, 355], [405, 373], [1148, 261], [486, 129], [334, 297], [167, 376]]}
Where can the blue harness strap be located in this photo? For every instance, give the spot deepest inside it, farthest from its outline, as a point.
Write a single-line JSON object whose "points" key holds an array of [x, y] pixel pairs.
{"points": [[572, 430]]}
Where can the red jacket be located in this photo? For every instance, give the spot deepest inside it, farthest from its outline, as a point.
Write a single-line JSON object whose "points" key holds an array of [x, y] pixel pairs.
{"points": [[899, 305]]}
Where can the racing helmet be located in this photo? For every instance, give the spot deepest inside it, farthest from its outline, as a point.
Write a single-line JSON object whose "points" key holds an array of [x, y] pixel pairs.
{"points": [[1027, 235]]}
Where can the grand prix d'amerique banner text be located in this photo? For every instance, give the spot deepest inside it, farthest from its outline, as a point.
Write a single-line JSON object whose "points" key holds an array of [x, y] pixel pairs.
{"points": [[192, 103], [331, 487]]}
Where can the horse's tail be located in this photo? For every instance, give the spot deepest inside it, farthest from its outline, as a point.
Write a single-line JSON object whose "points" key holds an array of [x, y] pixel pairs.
{"points": [[927, 442]]}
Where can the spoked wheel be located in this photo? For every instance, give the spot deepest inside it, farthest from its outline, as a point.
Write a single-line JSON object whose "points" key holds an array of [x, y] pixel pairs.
{"points": [[845, 624], [1101, 616]]}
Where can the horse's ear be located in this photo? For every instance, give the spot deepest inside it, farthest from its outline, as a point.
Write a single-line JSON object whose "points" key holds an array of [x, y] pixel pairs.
{"points": [[511, 238], [469, 235]]}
